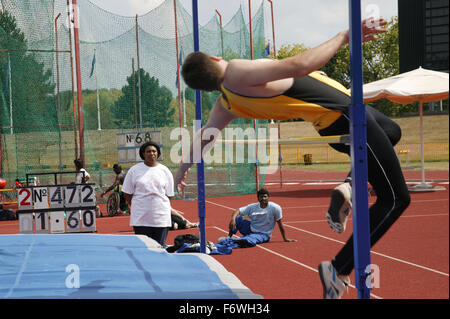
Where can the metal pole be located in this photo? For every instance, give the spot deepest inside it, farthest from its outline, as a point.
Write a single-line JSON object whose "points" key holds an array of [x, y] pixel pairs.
{"points": [[73, 85], [178, 79], [273, 29], [134, 92], [221, 32], [422, 148], [280, 158], [58, 110], [178, 67], [198, 115], [79, 88], [10, 96], [99, 125], [358, 138], [184, 104], [139, 74], [254, 121]]}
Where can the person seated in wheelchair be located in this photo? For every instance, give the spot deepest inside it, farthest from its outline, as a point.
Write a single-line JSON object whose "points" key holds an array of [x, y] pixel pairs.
{"points": [[117, 186]]}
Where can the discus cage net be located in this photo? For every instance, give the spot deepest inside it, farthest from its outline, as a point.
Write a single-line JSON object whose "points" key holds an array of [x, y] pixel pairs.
{"points": [[129, 84]]}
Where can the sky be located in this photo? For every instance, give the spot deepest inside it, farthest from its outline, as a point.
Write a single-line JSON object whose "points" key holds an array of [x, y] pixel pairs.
{"points": [[310, 22]]}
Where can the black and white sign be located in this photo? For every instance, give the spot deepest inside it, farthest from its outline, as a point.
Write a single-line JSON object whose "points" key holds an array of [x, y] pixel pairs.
{"points": [[128, 144], [56, 196], [72, 221], [70, 208], [26, 225], [42, 224], [56, 222]]}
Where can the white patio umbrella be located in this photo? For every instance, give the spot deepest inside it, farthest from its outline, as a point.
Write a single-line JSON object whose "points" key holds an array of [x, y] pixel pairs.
{"points": [[418, 85]]}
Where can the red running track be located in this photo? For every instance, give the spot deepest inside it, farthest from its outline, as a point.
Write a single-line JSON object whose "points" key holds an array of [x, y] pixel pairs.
{"points": [[413, 257]]}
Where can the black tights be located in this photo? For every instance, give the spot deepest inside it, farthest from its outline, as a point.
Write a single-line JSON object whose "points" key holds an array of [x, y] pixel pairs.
{"points": [[385, 176]]}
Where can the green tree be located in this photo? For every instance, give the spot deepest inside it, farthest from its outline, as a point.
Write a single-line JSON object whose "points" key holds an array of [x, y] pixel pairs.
{"points": [[288, 50], [208, 100], [107, 98], [230, 54], [380, 60], [33, 97], [155, 101]]}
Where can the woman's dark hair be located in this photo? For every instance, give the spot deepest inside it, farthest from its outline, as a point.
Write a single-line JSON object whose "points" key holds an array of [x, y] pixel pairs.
{"points": [[145, 145], [263, 191], [78, 163]]}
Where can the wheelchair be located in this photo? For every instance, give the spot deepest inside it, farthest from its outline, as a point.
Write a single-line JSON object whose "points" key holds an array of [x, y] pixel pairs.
{"points": [[114, 206]]}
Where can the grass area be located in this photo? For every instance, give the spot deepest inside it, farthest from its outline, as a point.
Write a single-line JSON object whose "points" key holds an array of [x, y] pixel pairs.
{"points": [[41, 149], [409, 125], [435, 133], [345, 167]]}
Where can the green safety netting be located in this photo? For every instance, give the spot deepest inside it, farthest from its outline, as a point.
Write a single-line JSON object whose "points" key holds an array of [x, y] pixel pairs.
{"points": [[38, 105]]}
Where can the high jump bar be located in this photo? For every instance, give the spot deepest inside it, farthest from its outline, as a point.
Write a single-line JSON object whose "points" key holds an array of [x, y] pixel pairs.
{"points": [[332, 139]]}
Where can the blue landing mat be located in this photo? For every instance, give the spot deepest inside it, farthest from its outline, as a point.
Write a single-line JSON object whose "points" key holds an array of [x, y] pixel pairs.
{"points": [[92, 266]]}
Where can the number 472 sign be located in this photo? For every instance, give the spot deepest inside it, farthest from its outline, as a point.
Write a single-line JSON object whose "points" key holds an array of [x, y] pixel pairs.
{"points": [[56, 197]]}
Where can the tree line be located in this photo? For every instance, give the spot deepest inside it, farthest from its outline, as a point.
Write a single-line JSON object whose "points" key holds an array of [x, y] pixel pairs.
{"points": [[34, 98]]}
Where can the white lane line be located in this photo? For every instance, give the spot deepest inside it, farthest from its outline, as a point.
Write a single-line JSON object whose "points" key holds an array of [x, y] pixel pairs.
{"points": [[372, 251], [294, 261], [341, 242]]}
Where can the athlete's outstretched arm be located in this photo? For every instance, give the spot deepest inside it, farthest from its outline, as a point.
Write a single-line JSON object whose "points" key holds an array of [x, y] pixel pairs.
{"points": [[219, 118], [243, 73]]}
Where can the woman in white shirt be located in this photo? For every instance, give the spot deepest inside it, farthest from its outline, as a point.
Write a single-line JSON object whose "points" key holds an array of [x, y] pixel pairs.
{"points": [[147, 188], [80, 177]]}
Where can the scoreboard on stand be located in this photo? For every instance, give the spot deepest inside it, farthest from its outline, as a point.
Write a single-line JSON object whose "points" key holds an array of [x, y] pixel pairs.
{"points": [[57, 209], [129, 143]]}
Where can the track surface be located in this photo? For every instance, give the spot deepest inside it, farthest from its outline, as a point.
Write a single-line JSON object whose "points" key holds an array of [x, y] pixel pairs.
{"points": [[413, 257]]}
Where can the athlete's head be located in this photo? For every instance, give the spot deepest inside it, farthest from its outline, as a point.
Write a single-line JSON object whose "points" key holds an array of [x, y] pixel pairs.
{"points": [[201, 71]]}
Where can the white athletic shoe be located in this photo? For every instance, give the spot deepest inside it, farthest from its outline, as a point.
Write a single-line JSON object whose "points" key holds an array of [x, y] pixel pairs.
{"points": [[333, 286], [339, 209]]}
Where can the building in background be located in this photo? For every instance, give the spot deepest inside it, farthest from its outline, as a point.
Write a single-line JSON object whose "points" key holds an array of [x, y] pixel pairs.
{"points": [[423, 34]]}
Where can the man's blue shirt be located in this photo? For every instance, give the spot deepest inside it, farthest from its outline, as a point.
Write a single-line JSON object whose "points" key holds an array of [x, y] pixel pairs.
{"points": [[262, 219]]}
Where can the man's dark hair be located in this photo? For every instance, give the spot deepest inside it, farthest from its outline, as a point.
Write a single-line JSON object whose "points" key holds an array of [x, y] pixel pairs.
{"points": [[263, 191], [200, 72], [145, 145]]}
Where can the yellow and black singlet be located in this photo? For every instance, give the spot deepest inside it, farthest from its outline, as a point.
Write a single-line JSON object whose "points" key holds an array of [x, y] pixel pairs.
{"points": [[315, 98]]}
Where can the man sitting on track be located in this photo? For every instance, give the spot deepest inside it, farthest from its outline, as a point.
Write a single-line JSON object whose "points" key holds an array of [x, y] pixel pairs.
{"points": [[289, 89], [257, 221]]}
